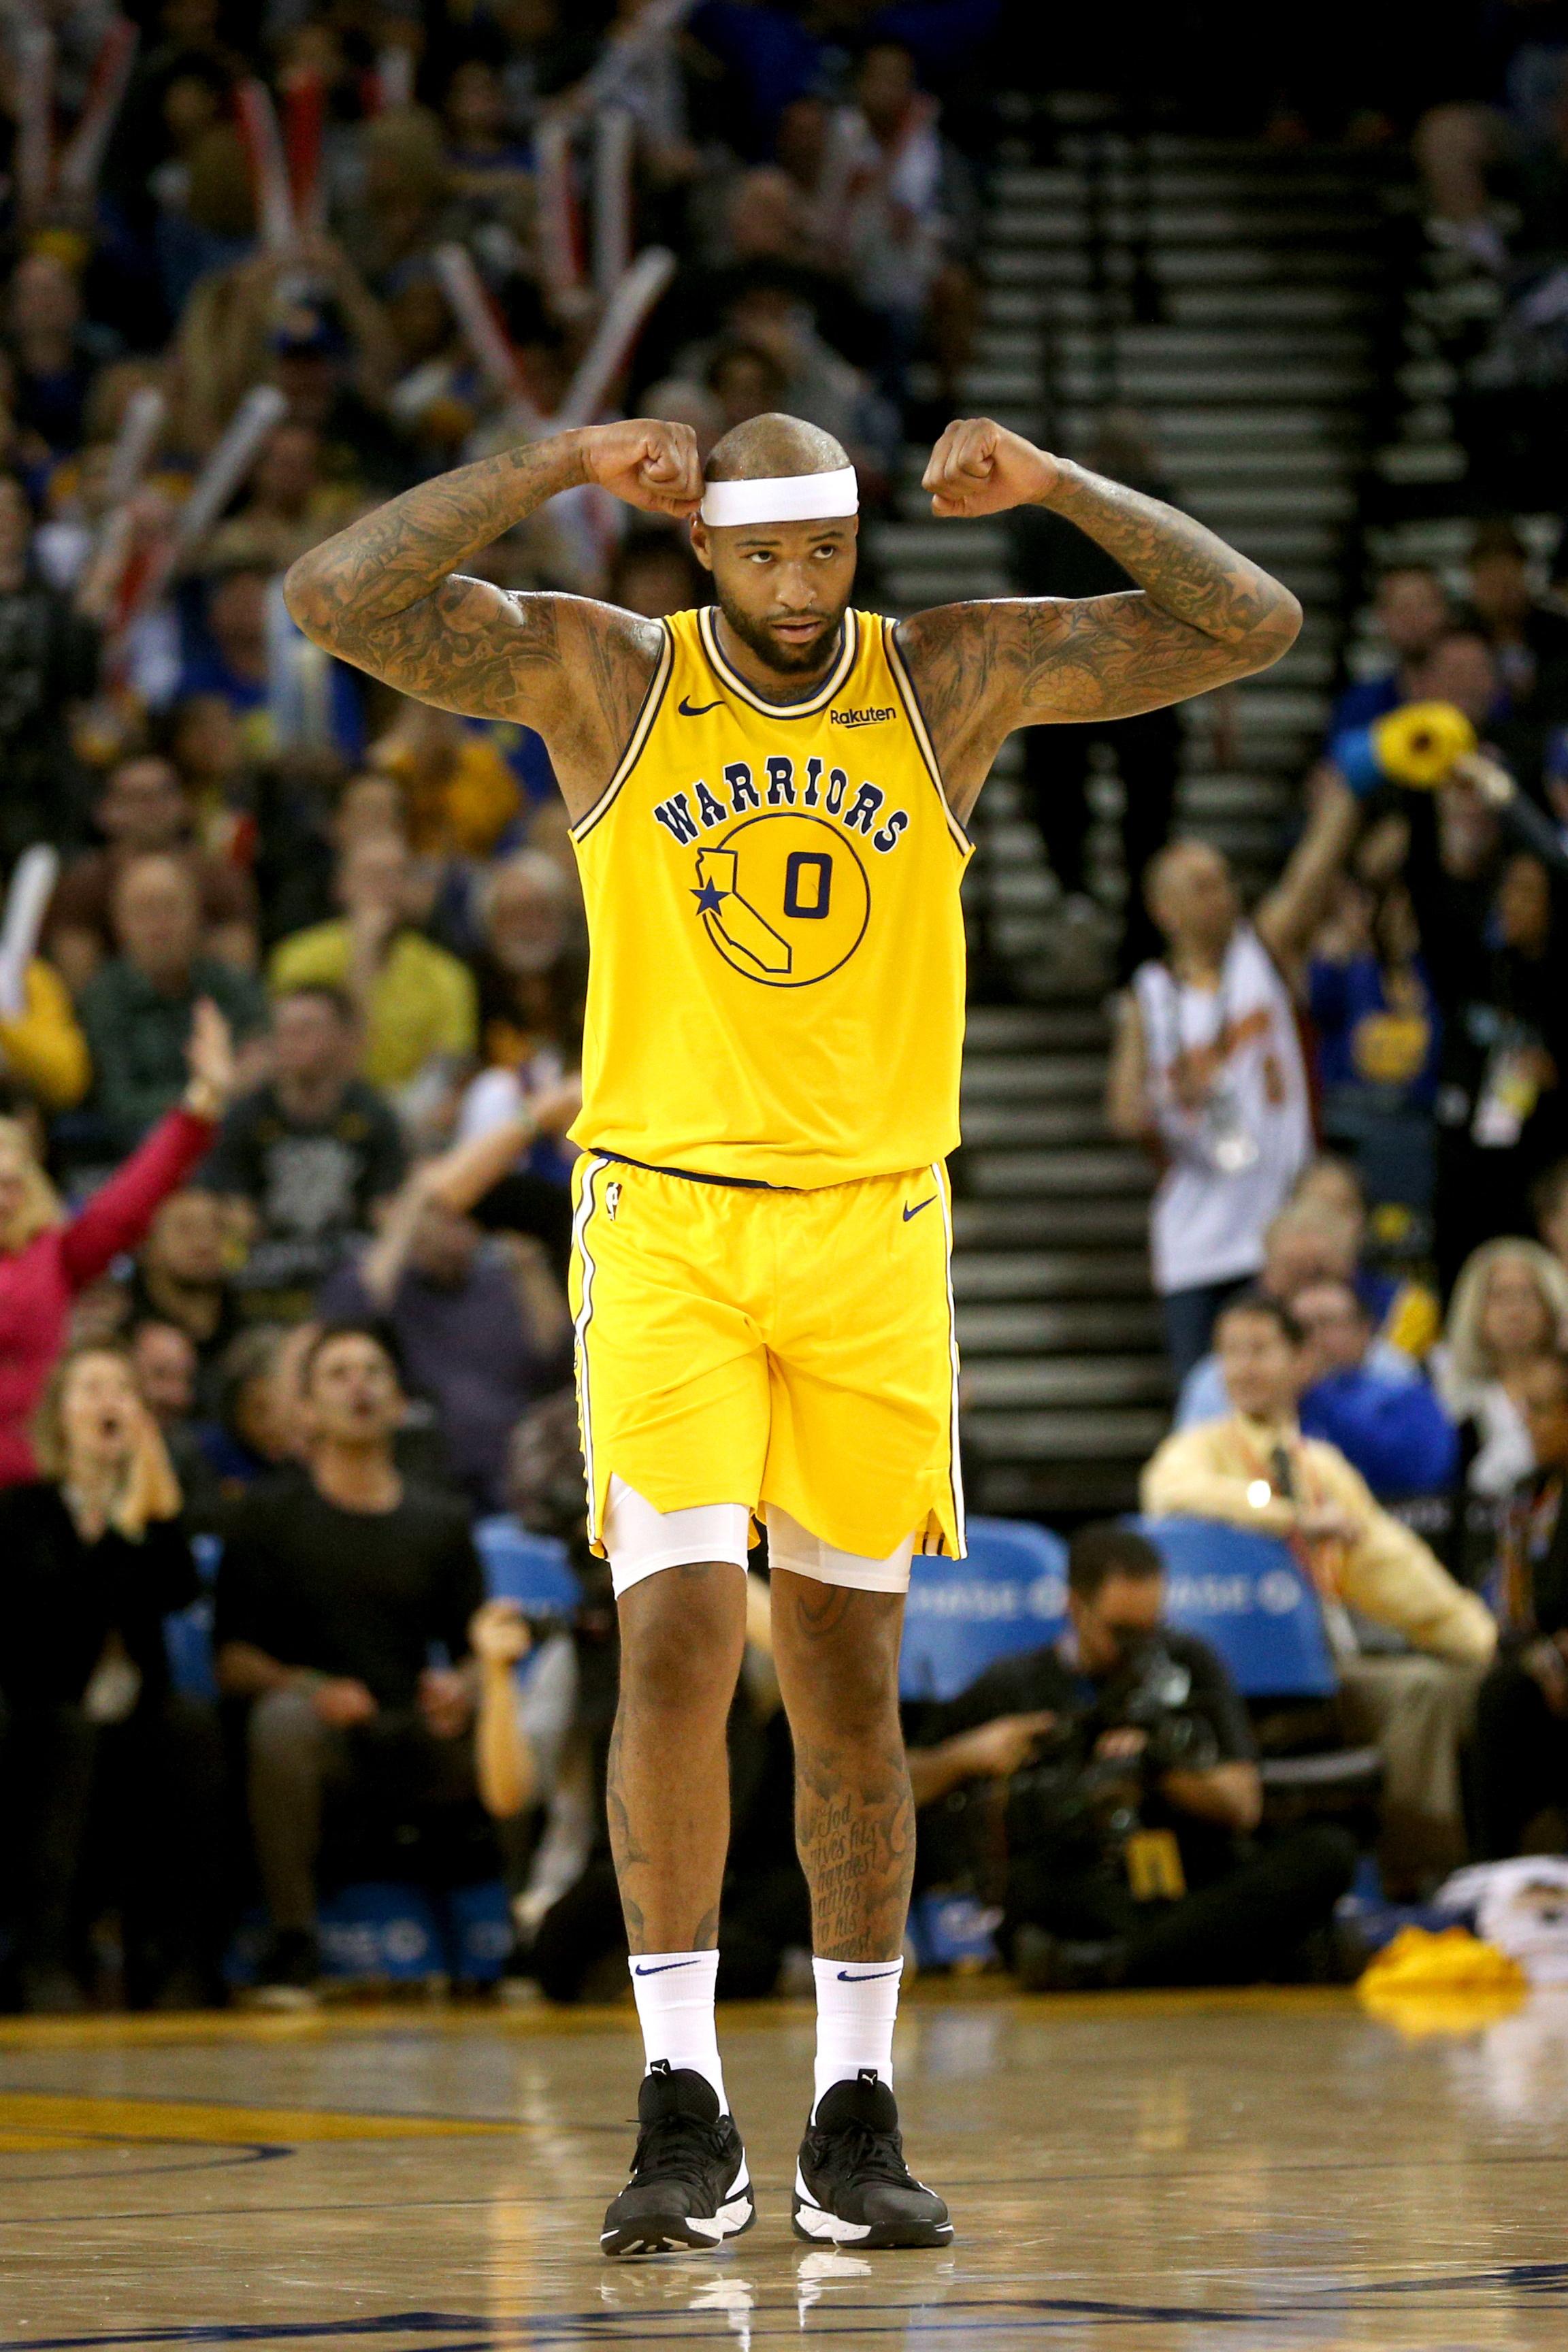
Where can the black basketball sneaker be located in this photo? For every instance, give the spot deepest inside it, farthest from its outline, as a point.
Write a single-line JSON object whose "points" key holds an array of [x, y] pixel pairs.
{"points": [[852, 2186], [690, 2186]]}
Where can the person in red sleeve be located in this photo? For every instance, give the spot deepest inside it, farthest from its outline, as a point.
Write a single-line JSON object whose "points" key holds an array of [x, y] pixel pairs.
{"points": [[47, 1256]]}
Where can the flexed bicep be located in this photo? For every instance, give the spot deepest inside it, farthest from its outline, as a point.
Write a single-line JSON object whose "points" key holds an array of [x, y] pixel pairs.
{"points": [[387, 594], [467, 646], [1199, 614]]}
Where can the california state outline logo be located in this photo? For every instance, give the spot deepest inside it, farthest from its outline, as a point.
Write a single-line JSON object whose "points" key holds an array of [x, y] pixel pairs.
{"points": [[785, 898]]}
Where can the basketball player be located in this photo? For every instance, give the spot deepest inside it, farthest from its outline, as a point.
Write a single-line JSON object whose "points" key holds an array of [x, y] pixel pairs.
{"points": [[768, 802]]}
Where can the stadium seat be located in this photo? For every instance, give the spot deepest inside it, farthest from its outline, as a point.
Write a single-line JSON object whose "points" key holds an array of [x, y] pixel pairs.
{"points": [[1248, 1596], [188, 1632], [1010, 1594], [535, 1571]]}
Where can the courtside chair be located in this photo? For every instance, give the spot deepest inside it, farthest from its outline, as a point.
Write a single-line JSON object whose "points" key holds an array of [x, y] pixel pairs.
{"points": [[1010, 1594], [1250, 1598], [535, 1571]]}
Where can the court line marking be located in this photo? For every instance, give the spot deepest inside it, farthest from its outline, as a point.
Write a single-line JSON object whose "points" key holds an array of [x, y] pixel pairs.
{"points": [[1173, 2175], [1166, 2174], [201, 2157], [227, 2123], [199, 2026], [974, 2314]]}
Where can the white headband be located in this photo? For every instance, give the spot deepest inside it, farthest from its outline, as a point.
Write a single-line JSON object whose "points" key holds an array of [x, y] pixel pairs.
{"points": [[786, 497]]}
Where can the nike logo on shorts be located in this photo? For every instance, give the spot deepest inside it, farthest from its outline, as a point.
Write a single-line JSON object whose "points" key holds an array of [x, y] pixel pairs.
{"points": [[663, 1968], [696, 709], [919, 1206], [875, 1978]]}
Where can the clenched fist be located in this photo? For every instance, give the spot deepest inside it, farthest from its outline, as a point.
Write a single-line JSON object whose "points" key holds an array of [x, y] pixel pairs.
{"points": [[980, 468], [648, 463]]}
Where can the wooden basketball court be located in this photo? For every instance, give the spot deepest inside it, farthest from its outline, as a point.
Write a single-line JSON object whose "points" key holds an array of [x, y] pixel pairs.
{"points": [[1128, 2173]]}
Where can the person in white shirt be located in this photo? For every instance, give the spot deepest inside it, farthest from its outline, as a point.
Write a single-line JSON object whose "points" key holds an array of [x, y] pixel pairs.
{"points": [[1207, 1069]]}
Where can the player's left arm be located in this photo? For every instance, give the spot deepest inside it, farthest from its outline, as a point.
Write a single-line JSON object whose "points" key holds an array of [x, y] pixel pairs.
{"points": [[1200, 614]]}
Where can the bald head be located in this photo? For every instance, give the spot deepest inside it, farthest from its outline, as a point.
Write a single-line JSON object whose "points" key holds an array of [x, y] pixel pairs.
{"points": [[783, 587], [1191, 896], [767, 448]]}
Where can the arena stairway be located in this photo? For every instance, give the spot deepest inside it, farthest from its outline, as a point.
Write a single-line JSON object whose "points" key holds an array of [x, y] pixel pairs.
{"points": [[1230, 294]]}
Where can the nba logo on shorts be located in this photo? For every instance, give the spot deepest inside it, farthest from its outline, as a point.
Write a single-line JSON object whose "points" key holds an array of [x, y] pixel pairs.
{"points": [[612, 1200]]}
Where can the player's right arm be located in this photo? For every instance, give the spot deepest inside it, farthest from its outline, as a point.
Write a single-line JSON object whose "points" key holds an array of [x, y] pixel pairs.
{"points": [[389, 595]]}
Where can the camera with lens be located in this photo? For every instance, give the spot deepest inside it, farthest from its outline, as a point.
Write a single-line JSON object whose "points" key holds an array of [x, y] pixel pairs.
{"points": [[1075, 1806]]}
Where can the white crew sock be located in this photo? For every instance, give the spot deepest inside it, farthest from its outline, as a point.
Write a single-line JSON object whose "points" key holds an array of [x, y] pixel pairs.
{"points": [[857, 2004], [675, 2006]]}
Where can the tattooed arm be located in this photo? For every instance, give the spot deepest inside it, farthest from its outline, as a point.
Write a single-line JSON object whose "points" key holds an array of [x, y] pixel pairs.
{"points": [[388, 595], [1201, 613]]}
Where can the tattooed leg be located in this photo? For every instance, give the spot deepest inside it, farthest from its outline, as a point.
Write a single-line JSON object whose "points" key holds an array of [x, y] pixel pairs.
{"points": [[682, 1633], [836, 1653]]}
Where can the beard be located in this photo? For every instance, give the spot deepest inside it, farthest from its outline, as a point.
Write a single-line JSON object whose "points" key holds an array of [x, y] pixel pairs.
{"points": [[789, 661]]}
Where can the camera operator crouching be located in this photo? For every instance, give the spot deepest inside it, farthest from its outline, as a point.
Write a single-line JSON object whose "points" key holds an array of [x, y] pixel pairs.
{"points": [[1104, 1791]]}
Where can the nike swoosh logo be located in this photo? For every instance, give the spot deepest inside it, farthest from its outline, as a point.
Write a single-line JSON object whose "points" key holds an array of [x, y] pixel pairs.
{"points": [[663, 1967], [919, 1206], [696, 709], [876, 1975]]}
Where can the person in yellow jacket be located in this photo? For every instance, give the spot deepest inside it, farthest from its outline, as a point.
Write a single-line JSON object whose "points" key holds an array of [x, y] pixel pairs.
{"points": [[418, 1004], [1255, 1470]]}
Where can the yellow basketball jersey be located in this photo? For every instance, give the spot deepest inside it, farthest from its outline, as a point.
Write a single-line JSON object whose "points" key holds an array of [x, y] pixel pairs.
{"points": [[776, 984]]}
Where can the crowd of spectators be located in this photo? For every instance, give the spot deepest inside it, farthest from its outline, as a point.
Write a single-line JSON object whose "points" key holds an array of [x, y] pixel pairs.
{"points": [[284, 1193], [1357, 1095], [283, 1178]]}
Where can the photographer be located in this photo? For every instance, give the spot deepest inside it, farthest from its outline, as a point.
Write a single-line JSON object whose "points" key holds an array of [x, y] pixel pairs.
{"points": [[1106, 1785]]}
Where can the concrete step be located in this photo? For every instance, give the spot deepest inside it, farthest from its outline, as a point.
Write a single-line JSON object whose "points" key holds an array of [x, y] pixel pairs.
{"points": [[1174, 265], [1118, 1168], [1083, 1325], [1284, 428], [1124, 1433], [1064, 1028], [1151, 380], [1014, 1126], [1013, 1276], [1089, 1224], [1030, 1077], [1175, 223], [1233, 463], [1232, 504], [1050, 1490], [1205, 347], [1021, 308], [1259, 705], [1254, 796], [1019, 1383]]}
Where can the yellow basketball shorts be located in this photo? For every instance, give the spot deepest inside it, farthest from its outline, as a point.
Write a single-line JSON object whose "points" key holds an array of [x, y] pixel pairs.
{"points": [[743, 1345]]}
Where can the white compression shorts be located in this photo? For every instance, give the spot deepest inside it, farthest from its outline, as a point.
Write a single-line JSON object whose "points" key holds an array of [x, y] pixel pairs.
{"points": [[641, 1540]]}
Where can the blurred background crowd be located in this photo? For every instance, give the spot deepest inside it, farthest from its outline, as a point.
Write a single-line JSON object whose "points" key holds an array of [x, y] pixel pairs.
{"points": [[290, 1012]]}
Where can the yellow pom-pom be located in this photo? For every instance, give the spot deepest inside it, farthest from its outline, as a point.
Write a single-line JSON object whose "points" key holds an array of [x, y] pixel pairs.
{"points": [[1419, 744]]}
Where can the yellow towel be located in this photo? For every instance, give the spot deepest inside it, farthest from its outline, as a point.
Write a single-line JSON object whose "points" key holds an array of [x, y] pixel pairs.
{"points": [[1450, 1982]]}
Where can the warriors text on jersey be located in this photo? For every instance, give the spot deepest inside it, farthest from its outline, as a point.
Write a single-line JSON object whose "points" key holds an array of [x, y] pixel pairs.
{"points": [[776, 987]]}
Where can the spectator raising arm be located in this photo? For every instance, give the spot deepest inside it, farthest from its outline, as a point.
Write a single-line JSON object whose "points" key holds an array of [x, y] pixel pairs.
{"points": [[1292, 910], [503, 1756], [118, 1213], [456, 1180]]}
